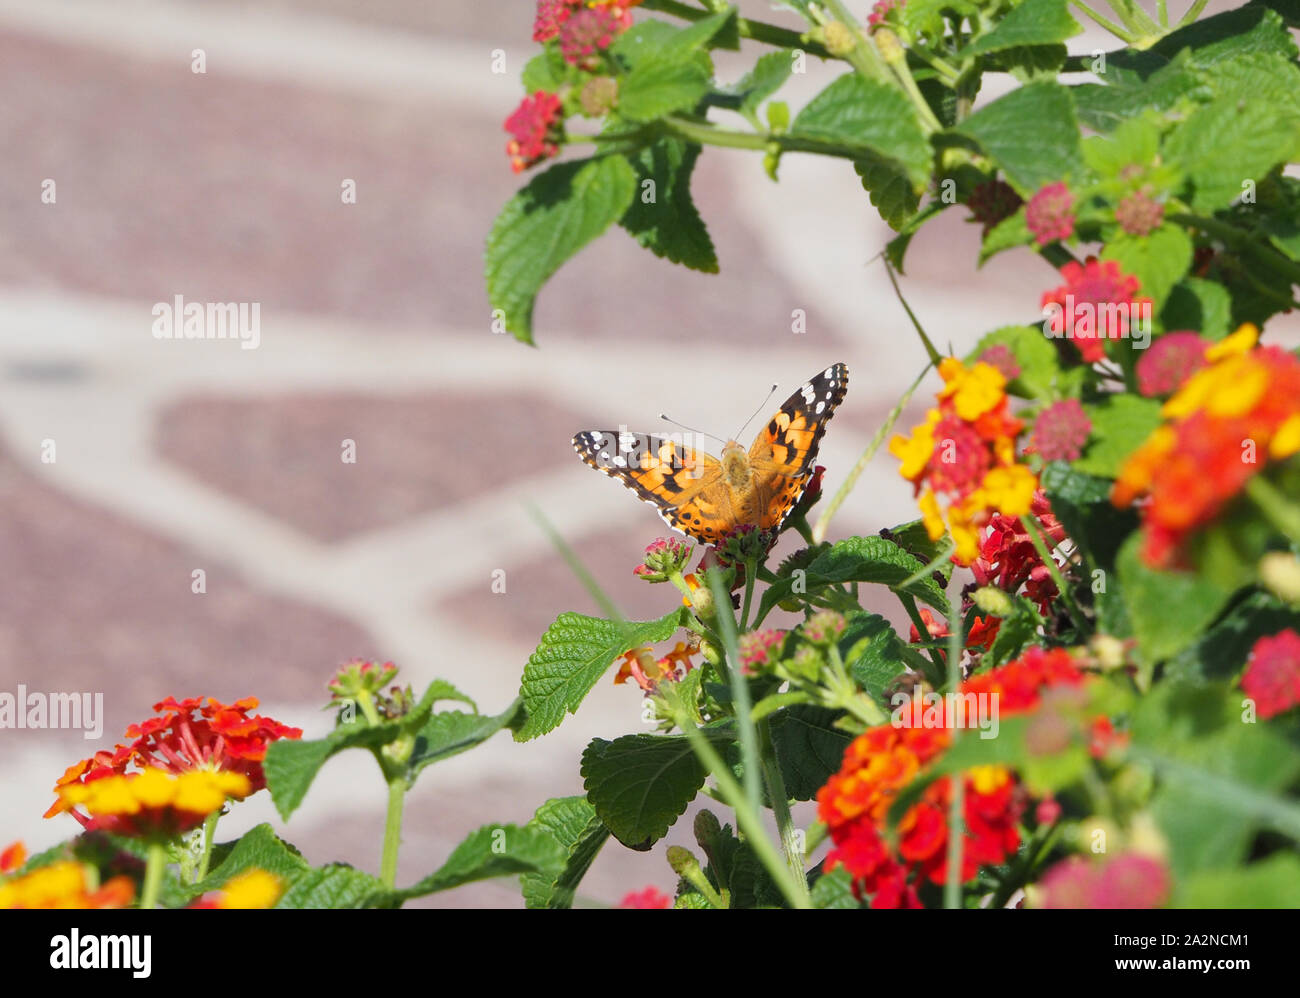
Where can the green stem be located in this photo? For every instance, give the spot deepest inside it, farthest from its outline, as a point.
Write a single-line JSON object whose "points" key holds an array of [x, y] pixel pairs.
{"points": [[155, 863], [1067, 597], [923, 632], [1109, 25], [824, 521], [392, 831], [1277, 509], [956, 810], [1136, 19], [848, 696], [740, 701], [794, 856], [751, 576], [930, 349], [758, 31], [1241, 242], [209, 828], [709, 135], [1162, 11], [1193, 12], [864, 57]]}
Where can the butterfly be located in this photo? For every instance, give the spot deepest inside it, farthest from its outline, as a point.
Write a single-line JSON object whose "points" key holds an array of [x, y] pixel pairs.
{"points": [[706, 497]]}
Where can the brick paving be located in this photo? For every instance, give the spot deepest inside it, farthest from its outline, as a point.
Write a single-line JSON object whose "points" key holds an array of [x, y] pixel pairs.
{"points": [[173, 456]]}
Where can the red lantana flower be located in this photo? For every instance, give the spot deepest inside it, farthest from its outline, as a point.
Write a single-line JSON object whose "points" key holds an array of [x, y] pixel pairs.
{"points": [[592, 30], [535, 127], [1272, 676], [1094, 304], [650, 897], [1049, 215]]}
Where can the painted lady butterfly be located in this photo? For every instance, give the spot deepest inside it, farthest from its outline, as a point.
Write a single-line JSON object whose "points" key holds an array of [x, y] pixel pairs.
{"points": [[705, 497]]}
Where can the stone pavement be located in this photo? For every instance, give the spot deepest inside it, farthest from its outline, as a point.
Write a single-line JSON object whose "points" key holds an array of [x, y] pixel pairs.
{"points": [[174, 456]]}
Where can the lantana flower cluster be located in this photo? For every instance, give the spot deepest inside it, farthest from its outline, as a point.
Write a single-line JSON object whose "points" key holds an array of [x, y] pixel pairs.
{"points": [[1230, 419], [883, 760], [965, 452]]}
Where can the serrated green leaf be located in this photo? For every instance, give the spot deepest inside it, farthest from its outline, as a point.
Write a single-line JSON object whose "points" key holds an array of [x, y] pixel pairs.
{"points": [[768, 75], [492, 851], [1120, 425], [573, 654], [1261, 136], [889, 189], [669, 225], [1158, 260], [641, 784], [1168, 610], [292, 764], [872, 652], [555, 215], [1034, 22], [1082, 503], [1106, 107], [1031, 134], [545, 71], [834, 890], [1009, 233], [808, 746], [859, 559], [1135, 142], [674, 75], [452, 732], [860, 112], [572, 821]]}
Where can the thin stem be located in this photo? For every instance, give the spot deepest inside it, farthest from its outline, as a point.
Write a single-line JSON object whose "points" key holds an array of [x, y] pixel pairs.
{"points": [[1193, 12], [392, 831], [209, 828], [1136, 19], [739, 688], [1277, 509], [1162, 12], [758, 31], [956, 810], [930, 349], [155, 863], [781, 808], [1049, 562], [909, 604], [1109, 25], [824, 521], [710, 135], [751, 576]]}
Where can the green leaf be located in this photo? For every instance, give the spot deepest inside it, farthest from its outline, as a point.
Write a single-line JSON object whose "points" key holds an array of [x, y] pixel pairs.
{"points": [[1221, 653], [1261, 136], [641, 784], [1168, 610], [292, 764], [1034, 22], [734, 866], [554, 216], [1270, 883], [1031, 134], [808, 746], [1082, 503], [1217, 775], [669, 225], [674, 75], [1135, 142], [333, 886], [1199, 305], [914, 538], [858, 112], [858, 559], [1120, 425], [453, 732], [1106, 107], [1158, 260], [872, 652], [1007, 234], [1040, 368], [572, 821], [889, 189], [573, 654], [834, 890], [767, 77], [1247, 32], [441, 689], [492, 851], [545, 71]]}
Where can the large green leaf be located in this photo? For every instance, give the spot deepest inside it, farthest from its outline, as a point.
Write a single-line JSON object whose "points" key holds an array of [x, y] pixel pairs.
{"points": [[663, 217], [858, 112], [575, 826], [835, 890], [1270, 883], [560, 211], [1031, 134], [809, 748], [492, 851], [873, 653], [641, 784], [1034, 22], [673, 74], [858, 559], [1168, 610], [573, 654]]}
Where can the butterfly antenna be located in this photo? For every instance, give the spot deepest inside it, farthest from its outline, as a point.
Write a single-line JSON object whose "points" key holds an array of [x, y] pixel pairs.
{"points": [[689, 429], [756, 412]]}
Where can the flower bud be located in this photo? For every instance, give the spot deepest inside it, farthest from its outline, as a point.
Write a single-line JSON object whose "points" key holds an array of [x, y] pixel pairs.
{"points": [[823, 628], [992, 600], [840, 39], [1280, 574], [706, 829], [682, 860]]}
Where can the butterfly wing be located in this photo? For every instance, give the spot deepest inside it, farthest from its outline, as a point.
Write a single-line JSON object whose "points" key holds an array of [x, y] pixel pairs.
{"points": [[783, 454], [677, 480]]}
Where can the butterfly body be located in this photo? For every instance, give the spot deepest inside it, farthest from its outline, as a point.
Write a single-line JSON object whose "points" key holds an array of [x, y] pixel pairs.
{"points": [[707, 497]]}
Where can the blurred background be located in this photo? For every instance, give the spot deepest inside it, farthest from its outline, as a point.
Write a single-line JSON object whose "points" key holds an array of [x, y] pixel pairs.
{"points": [[173, 456]]}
